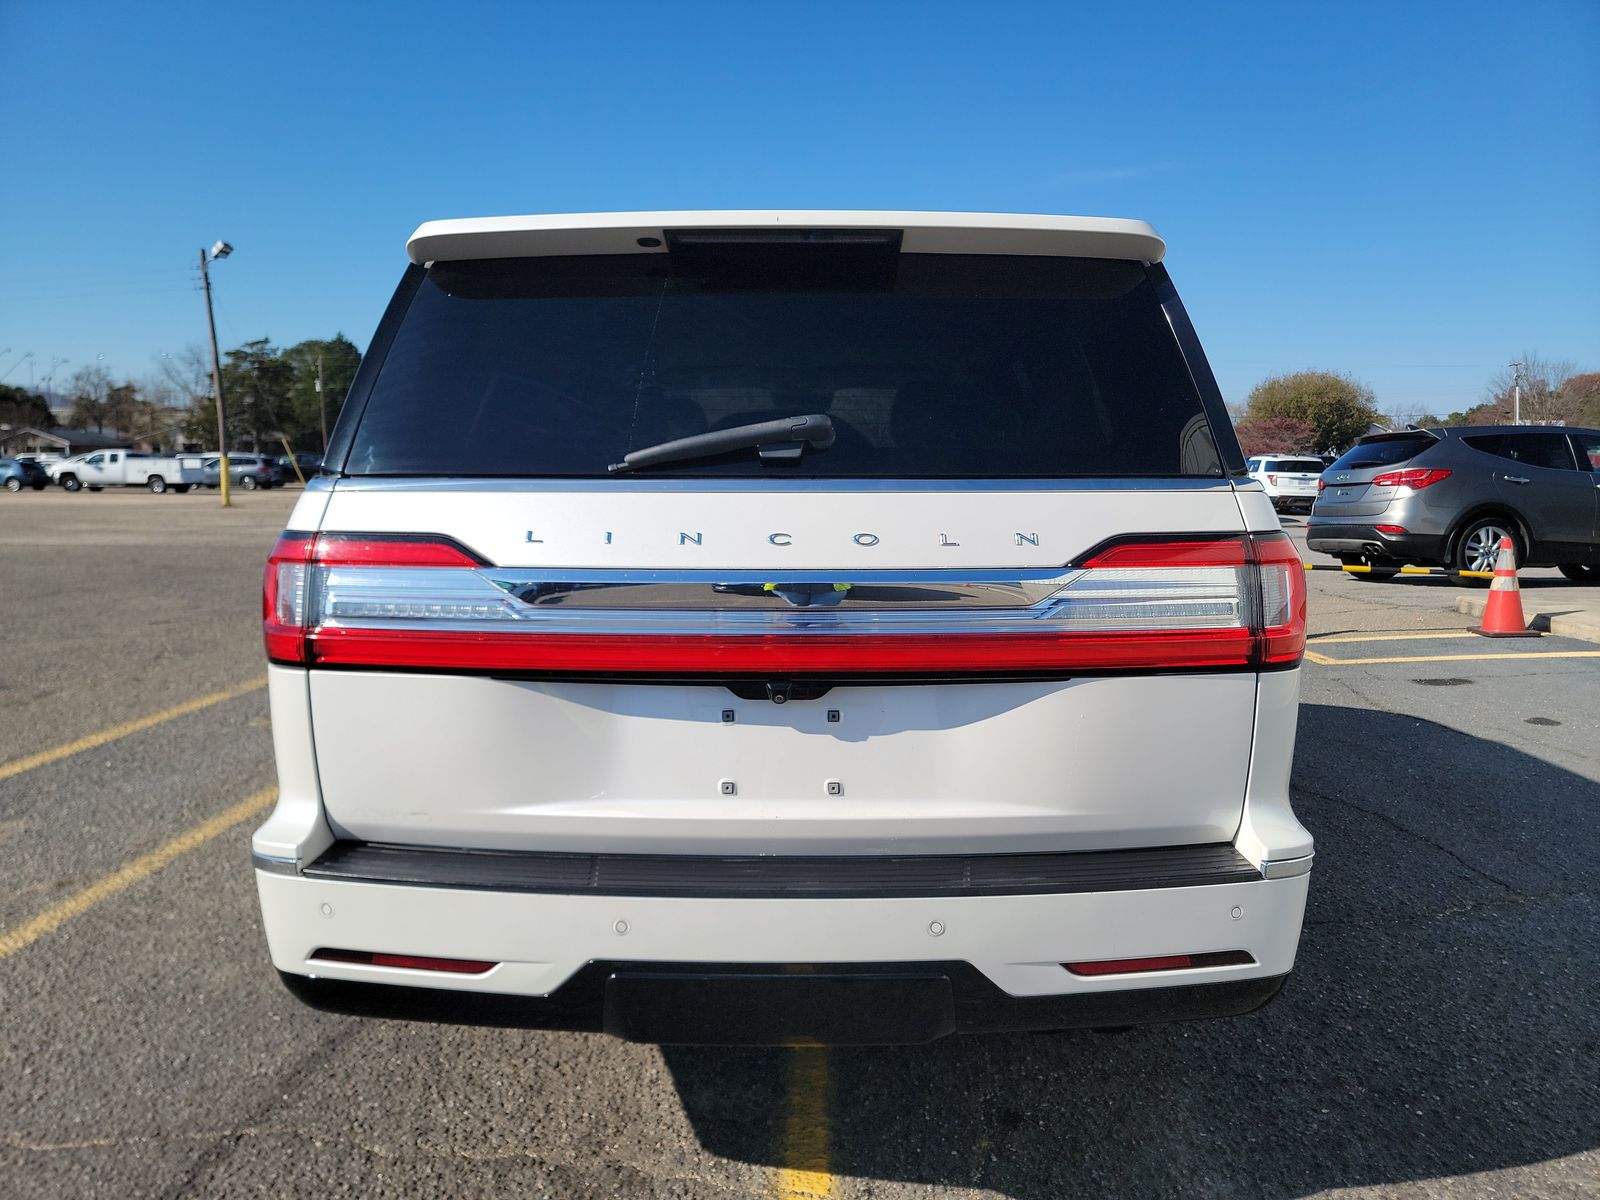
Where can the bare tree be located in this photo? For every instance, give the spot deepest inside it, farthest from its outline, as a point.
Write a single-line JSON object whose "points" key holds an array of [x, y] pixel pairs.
{"points": [[1543, 398], [186, 376], [89, 387]]}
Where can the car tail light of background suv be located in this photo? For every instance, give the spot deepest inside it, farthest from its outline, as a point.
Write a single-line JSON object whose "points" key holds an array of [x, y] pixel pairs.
{"points": [[1414, 478], [388, 601]]}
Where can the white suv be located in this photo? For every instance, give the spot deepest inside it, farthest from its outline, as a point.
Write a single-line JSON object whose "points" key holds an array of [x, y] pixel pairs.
{"points": [[784, 626], [1289, 481]]}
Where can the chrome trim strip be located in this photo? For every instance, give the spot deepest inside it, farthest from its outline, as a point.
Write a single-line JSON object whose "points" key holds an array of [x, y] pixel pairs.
{"points": [[1286, 868], [273, 865], [492, 600], [381, 483]]}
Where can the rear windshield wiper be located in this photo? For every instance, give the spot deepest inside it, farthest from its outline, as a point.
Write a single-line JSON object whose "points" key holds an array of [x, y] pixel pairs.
{"points": [[781, 440]]}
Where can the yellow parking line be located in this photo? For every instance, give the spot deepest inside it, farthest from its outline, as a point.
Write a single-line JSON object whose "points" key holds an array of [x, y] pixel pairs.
{"points": [[18, 765], [75, 905], [1421, 636], [1361, 662], [805, 1174]]}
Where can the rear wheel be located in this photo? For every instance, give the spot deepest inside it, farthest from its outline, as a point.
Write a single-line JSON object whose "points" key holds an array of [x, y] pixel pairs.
{"points": [[1580, 573], [1478, 548], [248, 483], [156, 484]]}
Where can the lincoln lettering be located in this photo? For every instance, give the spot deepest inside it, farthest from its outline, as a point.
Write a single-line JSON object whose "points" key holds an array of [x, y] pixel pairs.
{"points": [[782, 538]]}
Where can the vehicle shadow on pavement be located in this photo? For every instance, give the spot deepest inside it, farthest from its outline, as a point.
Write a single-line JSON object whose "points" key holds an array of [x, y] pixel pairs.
{"points": [[1440, 1020]]}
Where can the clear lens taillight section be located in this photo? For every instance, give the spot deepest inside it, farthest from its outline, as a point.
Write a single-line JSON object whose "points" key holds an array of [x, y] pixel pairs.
{"points": [[356, 600]]}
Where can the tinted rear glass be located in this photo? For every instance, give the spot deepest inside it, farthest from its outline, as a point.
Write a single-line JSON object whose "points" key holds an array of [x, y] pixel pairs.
{"points": [[1295, 465], [1383, 452], [928, 366], [1534, 449]]}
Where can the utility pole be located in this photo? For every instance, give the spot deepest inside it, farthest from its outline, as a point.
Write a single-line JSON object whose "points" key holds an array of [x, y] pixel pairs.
{"points": [[322, 405], [1516, 393], [216, 384]]}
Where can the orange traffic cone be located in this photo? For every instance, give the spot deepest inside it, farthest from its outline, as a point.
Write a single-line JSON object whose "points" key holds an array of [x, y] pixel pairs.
{"points": [[1502, 616]]}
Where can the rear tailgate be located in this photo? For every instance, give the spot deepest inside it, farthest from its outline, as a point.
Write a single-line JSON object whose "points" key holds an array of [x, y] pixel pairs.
{"points": [[497, 759]]}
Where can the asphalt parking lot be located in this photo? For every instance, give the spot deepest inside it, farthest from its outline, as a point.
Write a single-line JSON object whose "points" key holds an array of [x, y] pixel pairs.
{"points": [[1439, 1037]]}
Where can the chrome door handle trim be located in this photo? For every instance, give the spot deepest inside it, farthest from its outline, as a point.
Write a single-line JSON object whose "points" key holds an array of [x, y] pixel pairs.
{"points": [[1516, 479]]}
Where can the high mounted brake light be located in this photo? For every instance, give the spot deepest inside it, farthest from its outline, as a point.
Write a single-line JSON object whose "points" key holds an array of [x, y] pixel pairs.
{"points": [[1135, 604]]}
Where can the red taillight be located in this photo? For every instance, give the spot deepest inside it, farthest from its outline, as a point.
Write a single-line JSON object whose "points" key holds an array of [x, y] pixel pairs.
{"points": [[1164, 962], [1160, 553], [795, 653], [409, 962], [1282, 622], [1147, 603], [1321, 484], [1273, 480], [390, 550], [1414, 478]]}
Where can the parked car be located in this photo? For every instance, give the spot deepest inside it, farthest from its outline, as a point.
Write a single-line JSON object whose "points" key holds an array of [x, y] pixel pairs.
{"points": [[1290, 481], [1446, 497], [18, 473], [804, 691], [247, 471], [127, 468], [308, 463]]}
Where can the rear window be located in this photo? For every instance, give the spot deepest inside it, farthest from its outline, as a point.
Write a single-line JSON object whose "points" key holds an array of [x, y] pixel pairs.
{"points": [[1382, 452], [1295, 465], [928, 366]]}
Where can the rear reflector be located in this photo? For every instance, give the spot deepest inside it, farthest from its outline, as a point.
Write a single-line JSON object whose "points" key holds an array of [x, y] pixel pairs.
{"points": [[409, 962], [424, 603], [1166, 962], [1390, 528]]}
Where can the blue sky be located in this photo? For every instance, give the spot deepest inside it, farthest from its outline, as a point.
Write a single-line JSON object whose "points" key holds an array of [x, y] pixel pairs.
{"points": [[1407, 192]]}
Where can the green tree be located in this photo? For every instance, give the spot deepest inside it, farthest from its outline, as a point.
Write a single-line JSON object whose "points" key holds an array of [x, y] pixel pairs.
{"points": [[339, 359], [21, 407], [1337, 407], [255, 390]]}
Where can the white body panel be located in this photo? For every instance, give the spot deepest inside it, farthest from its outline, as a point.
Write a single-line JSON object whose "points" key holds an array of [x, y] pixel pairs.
{"points": [[924, 769], [641, 524], [922, 233], [1019, 942]]}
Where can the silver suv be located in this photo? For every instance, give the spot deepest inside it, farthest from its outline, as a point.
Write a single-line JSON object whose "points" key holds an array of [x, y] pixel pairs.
{"points": [[780, 627], [1446, 497]]}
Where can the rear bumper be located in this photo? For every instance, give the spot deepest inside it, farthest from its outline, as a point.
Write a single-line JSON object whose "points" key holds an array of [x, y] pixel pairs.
{"points": [[778, 1004], [558, 957], [1344, 538]]}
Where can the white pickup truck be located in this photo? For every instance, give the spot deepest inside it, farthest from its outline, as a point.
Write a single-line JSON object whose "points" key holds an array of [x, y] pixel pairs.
{"points": [[126, 468]]}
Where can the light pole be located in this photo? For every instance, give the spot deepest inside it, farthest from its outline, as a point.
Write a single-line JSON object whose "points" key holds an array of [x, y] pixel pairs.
{"points": [[1516, 393], [220, 250], [16, 364]]}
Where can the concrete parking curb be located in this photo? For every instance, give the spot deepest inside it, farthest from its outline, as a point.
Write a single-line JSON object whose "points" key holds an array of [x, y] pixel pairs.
{"points": [[1581, 624]]}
